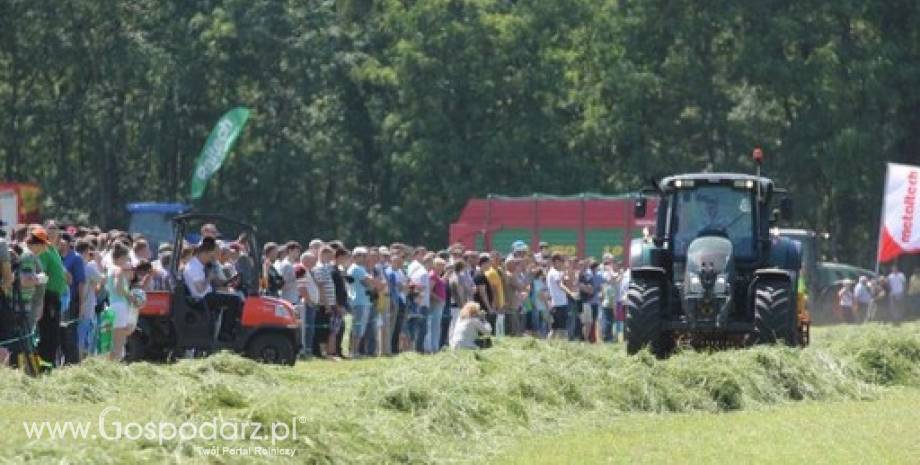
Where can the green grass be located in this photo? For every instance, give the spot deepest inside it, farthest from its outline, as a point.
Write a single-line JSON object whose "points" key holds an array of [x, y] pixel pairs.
{"points": [[429, 409], [851, 432]]}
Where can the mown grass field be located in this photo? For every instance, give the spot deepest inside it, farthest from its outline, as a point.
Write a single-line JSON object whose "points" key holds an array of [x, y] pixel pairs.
{"points": [[525, 401]]}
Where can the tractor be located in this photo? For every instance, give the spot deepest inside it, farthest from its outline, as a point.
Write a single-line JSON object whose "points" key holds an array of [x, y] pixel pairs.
{"points": [[713, 276], [172, 323]]}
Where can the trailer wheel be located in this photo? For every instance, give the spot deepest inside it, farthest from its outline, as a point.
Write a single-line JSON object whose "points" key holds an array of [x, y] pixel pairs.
{"points": [[643, 321], [775, 318], [273, 348]]}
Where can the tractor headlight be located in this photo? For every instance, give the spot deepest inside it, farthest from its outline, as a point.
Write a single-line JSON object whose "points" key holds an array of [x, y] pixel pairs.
{"points": [[282, 312], [694, 285], [722, 286]]}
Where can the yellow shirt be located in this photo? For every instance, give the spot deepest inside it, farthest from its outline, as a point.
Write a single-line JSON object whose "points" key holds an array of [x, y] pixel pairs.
{"points": [[498, 288]]}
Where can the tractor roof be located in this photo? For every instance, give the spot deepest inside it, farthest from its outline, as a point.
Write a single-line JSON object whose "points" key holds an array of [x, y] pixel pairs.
{"points": [[716, 178]]}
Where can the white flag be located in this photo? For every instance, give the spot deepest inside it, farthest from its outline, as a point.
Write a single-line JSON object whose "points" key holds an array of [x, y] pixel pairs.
{"points": [[900, 229]]}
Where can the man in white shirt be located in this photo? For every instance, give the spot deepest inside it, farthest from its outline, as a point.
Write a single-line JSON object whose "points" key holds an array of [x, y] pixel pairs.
{"points": [[310, 299], [419, 276], [285, 267], [559, 295], [898, 283], [863, 297], [196, 277]]}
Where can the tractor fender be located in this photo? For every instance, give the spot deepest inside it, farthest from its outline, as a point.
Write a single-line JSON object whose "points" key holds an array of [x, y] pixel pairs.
{"points": [[639, 253], [648, 273], [785, 254]]}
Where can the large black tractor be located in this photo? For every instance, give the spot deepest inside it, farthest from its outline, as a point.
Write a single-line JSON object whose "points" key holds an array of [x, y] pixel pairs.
{"points": [[712, 275]]}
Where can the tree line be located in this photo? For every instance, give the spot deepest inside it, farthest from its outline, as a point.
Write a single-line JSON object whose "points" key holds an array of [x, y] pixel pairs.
{"points": [[375, 120]]}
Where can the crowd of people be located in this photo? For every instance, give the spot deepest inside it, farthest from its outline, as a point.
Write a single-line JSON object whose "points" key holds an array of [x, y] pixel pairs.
{"points": [[78, 292], [889, 298], [403, 298]]}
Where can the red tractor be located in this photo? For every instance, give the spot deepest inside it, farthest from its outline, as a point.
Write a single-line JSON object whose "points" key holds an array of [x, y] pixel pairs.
{"points": [[172, 323]]}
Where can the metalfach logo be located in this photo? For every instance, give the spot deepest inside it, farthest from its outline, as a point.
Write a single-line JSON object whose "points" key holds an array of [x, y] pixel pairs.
{"points": [[165, 431]]}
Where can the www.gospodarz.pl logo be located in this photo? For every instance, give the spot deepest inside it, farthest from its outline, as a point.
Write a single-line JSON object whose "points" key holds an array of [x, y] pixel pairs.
{"points": [[165, 431]]}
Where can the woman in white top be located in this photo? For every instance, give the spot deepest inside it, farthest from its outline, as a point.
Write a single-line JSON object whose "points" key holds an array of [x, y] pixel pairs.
{"points": [[120, 300], [468, 327]]}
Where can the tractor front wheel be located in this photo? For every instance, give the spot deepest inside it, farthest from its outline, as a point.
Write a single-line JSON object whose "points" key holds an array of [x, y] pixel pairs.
{"points": [[643, 320], [775, 318]]}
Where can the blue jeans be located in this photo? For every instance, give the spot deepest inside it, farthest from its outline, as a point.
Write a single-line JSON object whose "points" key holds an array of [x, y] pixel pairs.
{"points": [[87, 333], [418, 327], [574, 321], [369, 343], [359, 317], [433, 336], [307, 329], [607, 324]]}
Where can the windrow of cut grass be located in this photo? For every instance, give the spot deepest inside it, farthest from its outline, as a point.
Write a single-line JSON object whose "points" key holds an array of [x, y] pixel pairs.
{"points": [[431, 409]]}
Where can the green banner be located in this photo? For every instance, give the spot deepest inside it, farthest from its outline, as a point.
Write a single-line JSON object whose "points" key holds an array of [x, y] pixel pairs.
{"points": [[217, 147]]}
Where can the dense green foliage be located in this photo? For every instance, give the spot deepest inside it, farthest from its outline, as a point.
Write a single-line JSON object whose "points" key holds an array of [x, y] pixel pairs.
{"points": [[375, 120]]}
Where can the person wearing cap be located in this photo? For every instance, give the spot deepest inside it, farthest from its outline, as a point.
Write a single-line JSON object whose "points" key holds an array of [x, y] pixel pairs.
{"points": [[309, 301], [31, 281], [326, 311], [76, 291], [361, 286], [49, 326]]}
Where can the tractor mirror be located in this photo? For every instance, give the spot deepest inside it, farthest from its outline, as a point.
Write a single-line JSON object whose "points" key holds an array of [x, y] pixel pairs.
{"points": [[786, 209], [640, 209]]}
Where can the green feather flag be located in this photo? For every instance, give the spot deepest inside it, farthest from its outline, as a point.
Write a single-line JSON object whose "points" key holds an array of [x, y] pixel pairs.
{"points": [[217, 147]]}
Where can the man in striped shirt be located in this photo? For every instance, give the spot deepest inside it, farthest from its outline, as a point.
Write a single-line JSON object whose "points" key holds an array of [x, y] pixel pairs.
{"points": [[327, 313]]}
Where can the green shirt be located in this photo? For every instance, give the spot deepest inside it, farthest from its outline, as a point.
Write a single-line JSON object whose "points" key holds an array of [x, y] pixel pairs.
{"points": [[54, 268]]}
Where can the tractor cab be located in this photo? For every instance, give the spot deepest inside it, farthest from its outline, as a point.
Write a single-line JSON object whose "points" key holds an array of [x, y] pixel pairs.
{"points": [[239, 319]]}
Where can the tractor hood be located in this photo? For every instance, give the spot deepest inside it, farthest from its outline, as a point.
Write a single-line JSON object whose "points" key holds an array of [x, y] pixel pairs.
{"points": [[709, 253], [707, 281]]}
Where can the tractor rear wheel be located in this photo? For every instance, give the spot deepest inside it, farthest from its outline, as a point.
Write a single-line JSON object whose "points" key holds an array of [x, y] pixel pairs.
{"points": [[272, 348], [643, 320], [775, 318]]}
